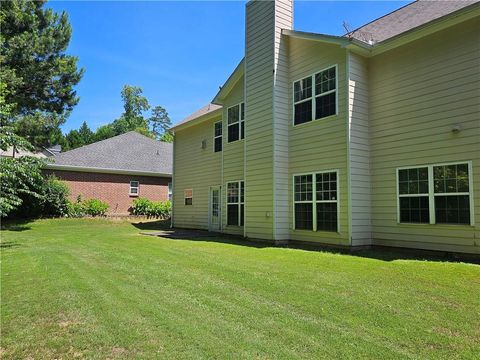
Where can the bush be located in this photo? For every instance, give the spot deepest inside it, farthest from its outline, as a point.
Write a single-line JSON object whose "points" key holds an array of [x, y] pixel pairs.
{"points": [[159, 209], [75, 209], [95, 207], [140, 206], [55, 198]]}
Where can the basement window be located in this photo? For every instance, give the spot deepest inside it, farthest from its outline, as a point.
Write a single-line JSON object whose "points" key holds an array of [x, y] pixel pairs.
{"points": [[236, 122], [188, 196], [217, 137], [235, 203], [435, 194], [315, 97], [316, 201], [134, 188]]}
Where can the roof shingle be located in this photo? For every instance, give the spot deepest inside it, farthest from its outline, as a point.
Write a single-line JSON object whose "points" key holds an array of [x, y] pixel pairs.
{"points": [[128, 152], [406, 18]]}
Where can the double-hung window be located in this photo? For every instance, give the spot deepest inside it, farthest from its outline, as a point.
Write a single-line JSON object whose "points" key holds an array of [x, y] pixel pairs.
{"points": [[235, 203], [316, 201], [134, 188], [435, 194], [315, 97], [188, 196], [236, 122], [217, 136]]}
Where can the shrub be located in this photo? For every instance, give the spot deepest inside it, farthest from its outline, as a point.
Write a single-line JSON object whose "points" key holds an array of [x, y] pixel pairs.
{"points": [[95, 207], [159, 209], [140, 206], [75, 209], [55, 198]]}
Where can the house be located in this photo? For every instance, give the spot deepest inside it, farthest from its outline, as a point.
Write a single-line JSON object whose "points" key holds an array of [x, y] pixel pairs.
{"points": [[117, 170], [39, 153], [371, 138]]}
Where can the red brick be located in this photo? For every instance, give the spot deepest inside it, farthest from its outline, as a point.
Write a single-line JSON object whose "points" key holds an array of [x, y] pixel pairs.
{"points": [[112, 188]]}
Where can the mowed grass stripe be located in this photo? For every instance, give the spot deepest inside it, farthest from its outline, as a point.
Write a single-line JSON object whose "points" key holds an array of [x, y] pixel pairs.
{"points": [[97, 289]]}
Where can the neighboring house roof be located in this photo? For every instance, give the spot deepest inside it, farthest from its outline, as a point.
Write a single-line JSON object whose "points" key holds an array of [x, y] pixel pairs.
{"points": [[130, 153], [406, 18], [42, 153]]}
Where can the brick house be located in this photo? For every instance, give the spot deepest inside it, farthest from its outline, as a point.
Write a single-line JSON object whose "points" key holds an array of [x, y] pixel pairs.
{"points": [[117, 170]]}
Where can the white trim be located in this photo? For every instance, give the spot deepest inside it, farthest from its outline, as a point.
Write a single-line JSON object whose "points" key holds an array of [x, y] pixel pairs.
{"points": [[349, 153], [431, 193], [314, 200], [314, 96], [104, 170], [219, 188], [130, 193]]}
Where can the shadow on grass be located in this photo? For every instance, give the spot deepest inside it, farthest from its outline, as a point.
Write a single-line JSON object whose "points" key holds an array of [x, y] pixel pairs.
{"points": [[382, 253], [15, 225], [153, 225], [9, 245]]}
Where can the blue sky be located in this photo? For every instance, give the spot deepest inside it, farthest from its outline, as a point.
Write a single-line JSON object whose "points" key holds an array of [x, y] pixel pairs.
{"points": [[179, 53]]}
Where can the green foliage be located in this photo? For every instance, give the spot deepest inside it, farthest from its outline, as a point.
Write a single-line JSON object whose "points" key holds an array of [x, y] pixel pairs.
{"points": [[34, 66], [160, 121], [103, 132], [20, 179], [37, 77], [95, 207], [167, 137], [55, 198], [75, 209], [146, 207]]}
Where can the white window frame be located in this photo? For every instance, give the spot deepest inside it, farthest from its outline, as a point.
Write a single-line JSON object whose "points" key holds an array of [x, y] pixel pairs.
{"points": [[315, 96], [185, 197], [215, 136], [314, 200], [170, 191], [130, 193], [239, 203], [241, 120], [431, 193]]}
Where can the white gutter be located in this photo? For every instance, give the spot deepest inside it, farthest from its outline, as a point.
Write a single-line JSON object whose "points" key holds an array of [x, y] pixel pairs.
{"points": [[104, 170]]}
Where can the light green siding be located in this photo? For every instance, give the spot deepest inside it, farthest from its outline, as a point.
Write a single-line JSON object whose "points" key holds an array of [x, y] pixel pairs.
{"points": [[233, 154], [195, 168], [259, 62], [359, 151], [321, 144], [417, 93]]}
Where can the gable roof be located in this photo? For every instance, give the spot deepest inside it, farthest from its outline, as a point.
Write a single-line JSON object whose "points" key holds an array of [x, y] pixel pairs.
{"points": [[131, 153], [406, 18]]}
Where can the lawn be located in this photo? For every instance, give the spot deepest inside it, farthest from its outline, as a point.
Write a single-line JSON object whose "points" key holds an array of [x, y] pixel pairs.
{"points": [[98, 289]]}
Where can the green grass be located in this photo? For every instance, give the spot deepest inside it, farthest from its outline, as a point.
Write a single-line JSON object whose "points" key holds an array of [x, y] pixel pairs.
{"points": [[98, 289]]}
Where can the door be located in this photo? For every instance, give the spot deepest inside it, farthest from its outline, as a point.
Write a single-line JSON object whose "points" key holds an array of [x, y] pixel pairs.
{"points": [[215, 208]]}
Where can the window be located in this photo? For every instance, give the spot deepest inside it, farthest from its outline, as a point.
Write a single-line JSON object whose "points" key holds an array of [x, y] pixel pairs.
{"points": [[318, 101], [435, 194], [413, 193], [235, 203], [170, 191], [236, 122], [217, 137], [316, 201], [134, 188], [188, 195]]}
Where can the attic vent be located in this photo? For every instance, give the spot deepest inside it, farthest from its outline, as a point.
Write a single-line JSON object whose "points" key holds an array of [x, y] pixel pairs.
{"points": [[204, 144]]}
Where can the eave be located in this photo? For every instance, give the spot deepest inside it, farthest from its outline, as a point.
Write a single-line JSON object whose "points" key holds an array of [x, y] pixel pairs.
{"points": [[53, 166], [198, 120], [230, 83]]}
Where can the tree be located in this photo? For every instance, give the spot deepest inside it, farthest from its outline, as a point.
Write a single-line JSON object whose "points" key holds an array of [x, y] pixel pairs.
{"points": [[85, 133], [134, 105], [39, 76], [160, 121], [74, 139], [104, 132]]}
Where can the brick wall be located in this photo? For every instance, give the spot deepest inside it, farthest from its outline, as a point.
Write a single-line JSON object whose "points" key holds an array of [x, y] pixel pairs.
{"points": [[112, 188]]}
